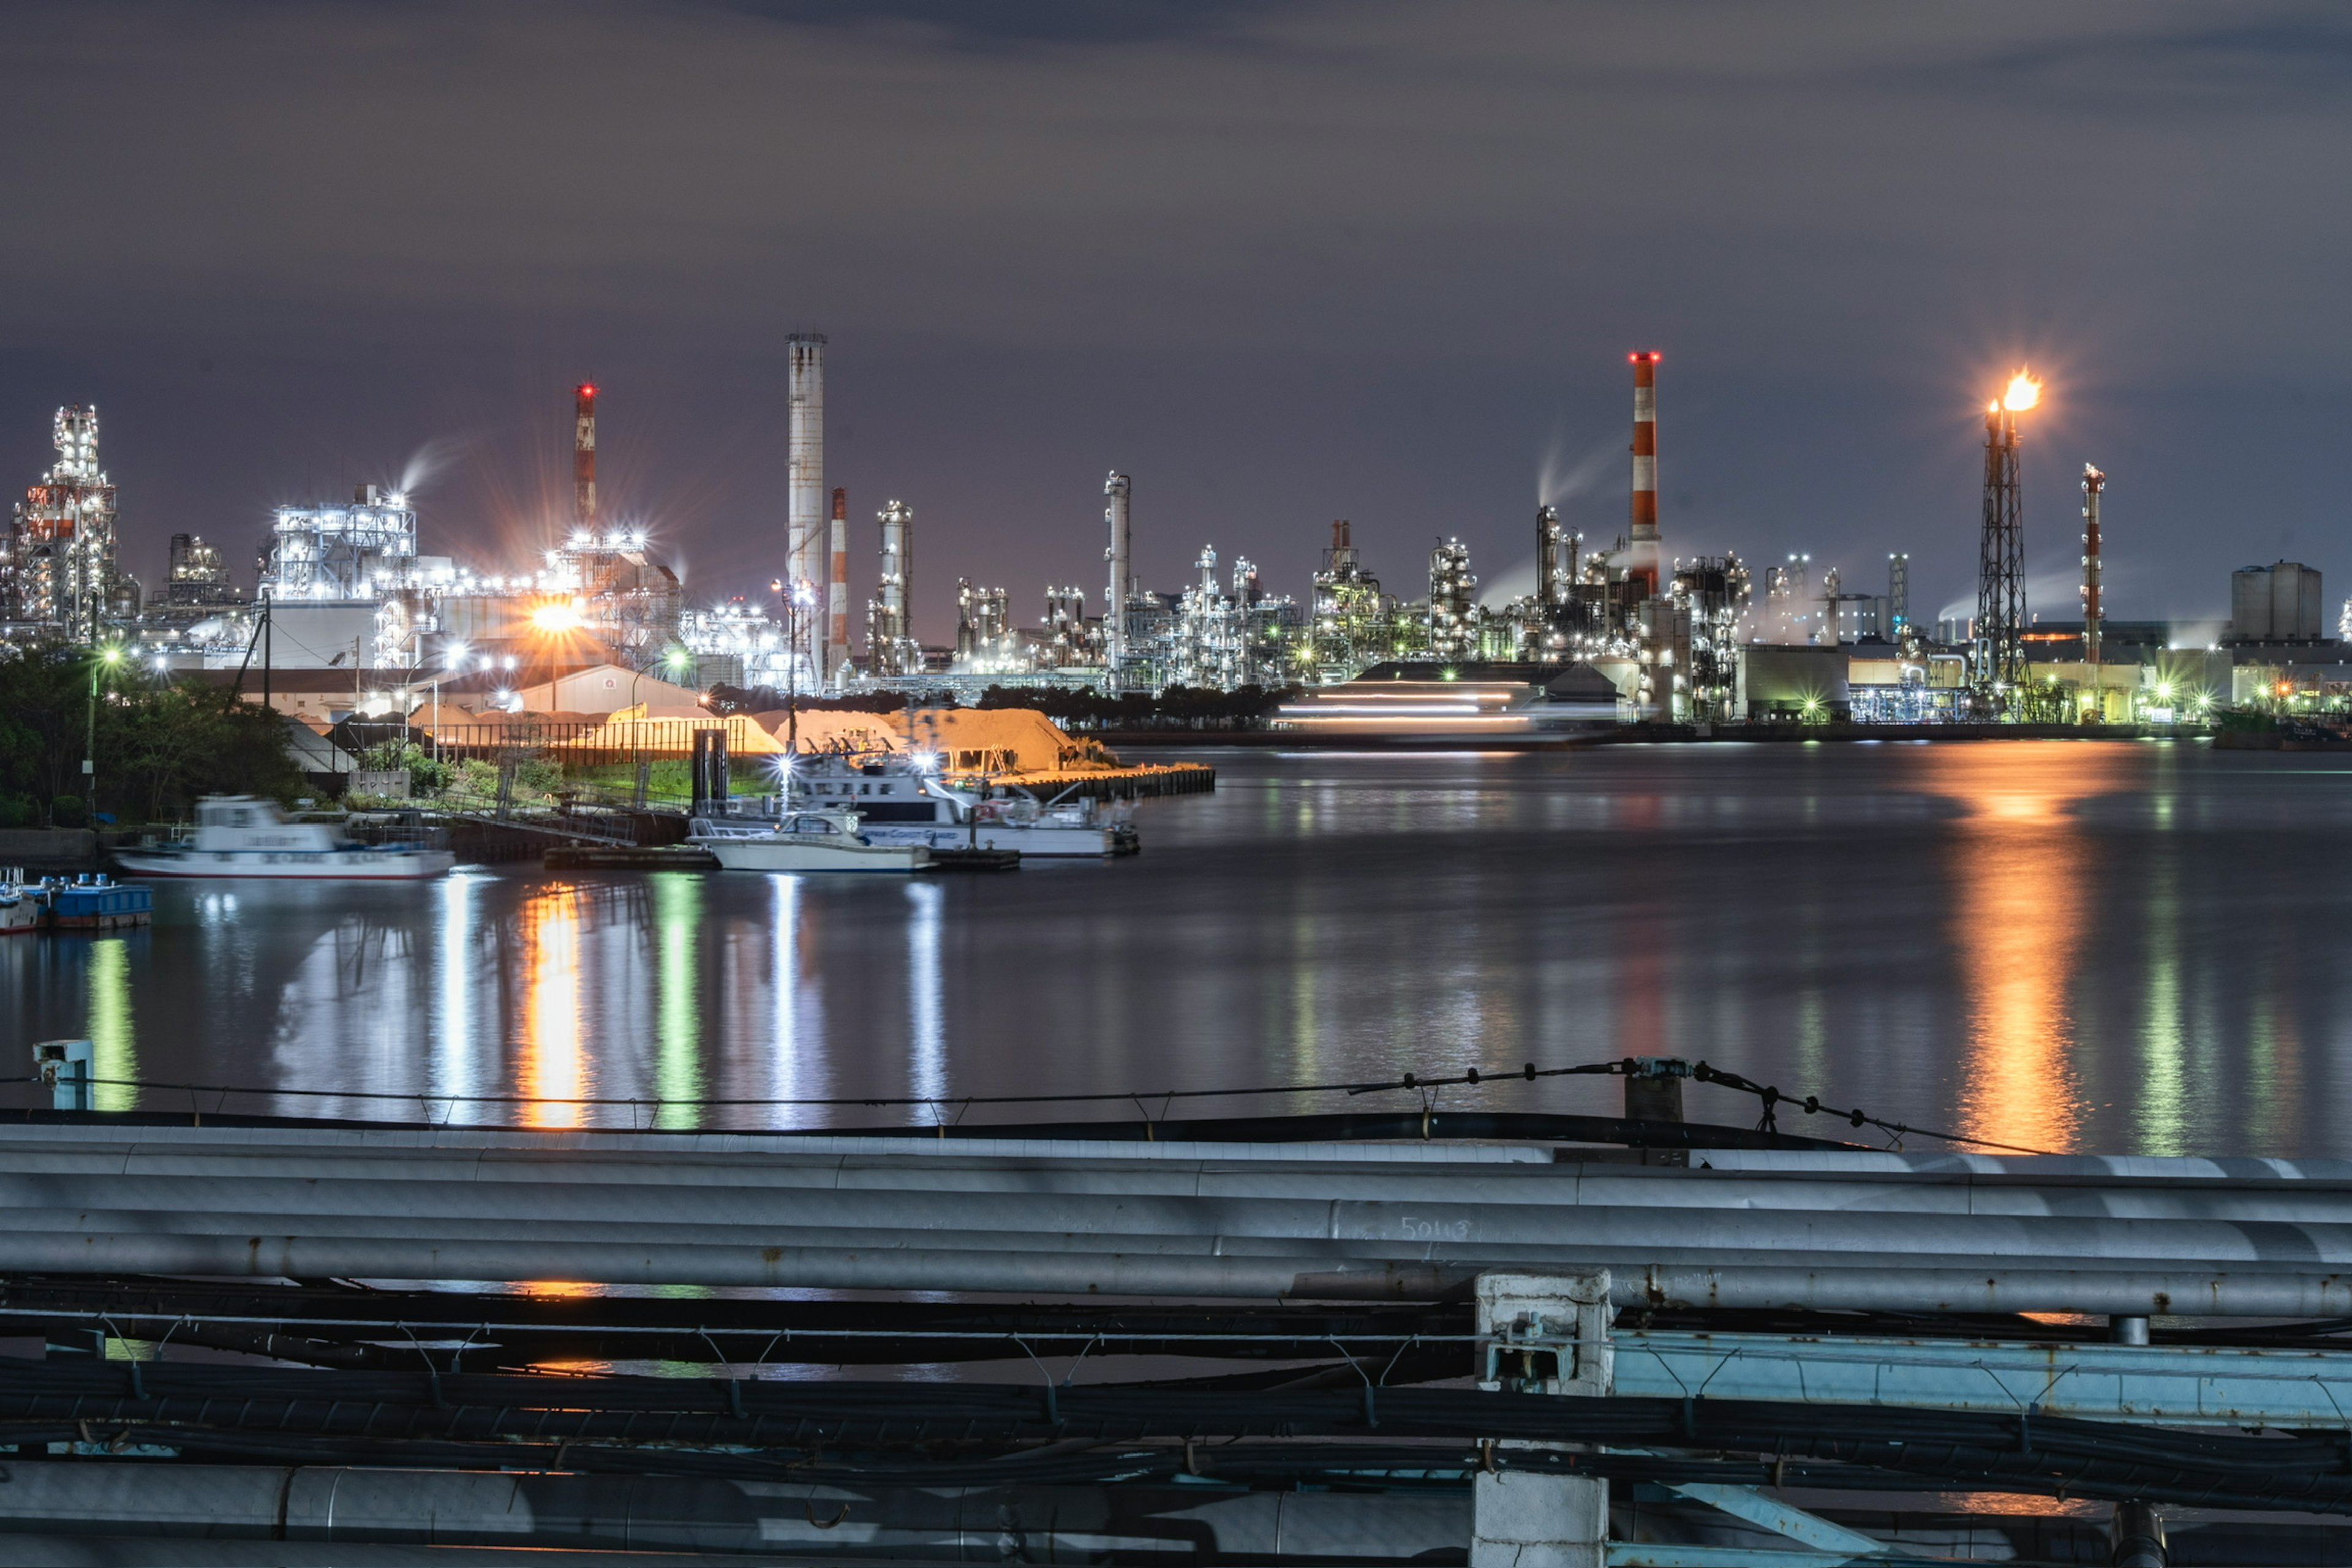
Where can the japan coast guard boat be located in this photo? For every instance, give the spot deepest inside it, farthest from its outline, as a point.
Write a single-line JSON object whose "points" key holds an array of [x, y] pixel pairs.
{"points": [[901, 801], [241, 835]]}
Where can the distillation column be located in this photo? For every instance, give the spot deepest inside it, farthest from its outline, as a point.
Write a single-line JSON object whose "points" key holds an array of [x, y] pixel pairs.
{"points": [[1121, 586], [804, 537], [1552, 571], [836, 609], [888, 643]]}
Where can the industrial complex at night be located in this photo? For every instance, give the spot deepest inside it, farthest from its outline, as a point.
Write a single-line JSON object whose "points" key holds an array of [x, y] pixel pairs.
{"points": [[1614, 633]]}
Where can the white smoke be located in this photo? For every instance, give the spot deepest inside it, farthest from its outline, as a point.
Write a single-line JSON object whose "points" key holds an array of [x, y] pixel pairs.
{"points": [[1557, 478], [432, 459], [1515, 583]]}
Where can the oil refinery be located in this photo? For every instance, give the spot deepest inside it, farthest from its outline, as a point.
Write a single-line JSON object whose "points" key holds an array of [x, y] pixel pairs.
{"points": [[1621, 632]]}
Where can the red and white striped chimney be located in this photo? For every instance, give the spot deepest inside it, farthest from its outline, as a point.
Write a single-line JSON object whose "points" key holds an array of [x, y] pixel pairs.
{"points": [[1643, 558], [583, 458]]}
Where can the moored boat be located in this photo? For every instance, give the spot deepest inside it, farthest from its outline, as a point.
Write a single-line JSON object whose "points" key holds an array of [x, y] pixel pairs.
{"points": [[20, 906], [242, 836], [902, 800], [802, 841]]}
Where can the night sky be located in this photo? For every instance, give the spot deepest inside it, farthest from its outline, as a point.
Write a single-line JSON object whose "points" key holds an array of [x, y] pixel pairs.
{"points": [[1282, 262]]}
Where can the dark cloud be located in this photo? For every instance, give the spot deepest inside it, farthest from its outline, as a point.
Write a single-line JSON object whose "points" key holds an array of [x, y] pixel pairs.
{"points": [[1284, 262]]}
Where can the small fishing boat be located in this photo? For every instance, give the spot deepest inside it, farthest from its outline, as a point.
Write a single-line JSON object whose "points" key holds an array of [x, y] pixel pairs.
{"points": [[802, 841], [242, 836], [20, 906]]}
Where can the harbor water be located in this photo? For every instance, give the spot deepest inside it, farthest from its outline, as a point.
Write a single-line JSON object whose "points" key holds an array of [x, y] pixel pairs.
{"points": [[2104, 946]]}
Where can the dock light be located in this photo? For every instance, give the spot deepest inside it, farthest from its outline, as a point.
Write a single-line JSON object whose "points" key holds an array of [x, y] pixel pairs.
{"points": [[926, 762], [454, 655]]}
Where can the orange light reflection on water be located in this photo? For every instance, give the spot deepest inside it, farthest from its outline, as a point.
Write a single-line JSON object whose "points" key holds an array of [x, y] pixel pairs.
{"points": [[550, 1066], [2022, 873]]}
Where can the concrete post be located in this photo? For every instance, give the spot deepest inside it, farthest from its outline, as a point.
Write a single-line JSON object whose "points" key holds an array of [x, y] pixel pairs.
{"points": [[1653, 1092], [1542, 1333]]}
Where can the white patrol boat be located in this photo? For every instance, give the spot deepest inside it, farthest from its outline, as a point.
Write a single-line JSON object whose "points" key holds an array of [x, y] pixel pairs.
{"points": [[242, 836], [802, 841], [904, 801]]}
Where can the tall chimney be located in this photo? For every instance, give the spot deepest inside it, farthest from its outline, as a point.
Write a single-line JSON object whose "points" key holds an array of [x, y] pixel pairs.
{"points": [[804, 535], [836, 620], [583, 458], [2095, 484], [1121, 586], [1643, 558]]}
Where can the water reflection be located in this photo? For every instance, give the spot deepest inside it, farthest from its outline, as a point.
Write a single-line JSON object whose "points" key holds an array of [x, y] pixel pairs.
{"points": [[679, 1067], [926, 1020], [2063, 945], [2021, 866], [113, 1039], [549, 933]]}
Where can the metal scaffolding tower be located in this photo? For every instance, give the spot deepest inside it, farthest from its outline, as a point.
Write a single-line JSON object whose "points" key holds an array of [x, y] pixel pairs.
{"points": [[1997, 658]]}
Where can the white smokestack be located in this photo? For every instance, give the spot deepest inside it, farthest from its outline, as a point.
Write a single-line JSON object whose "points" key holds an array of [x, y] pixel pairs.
{"points": [[806, 563]]}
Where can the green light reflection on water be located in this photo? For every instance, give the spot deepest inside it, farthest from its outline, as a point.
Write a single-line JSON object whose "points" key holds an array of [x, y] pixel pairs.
{"points": [[678, 1065], [113, 1042]]}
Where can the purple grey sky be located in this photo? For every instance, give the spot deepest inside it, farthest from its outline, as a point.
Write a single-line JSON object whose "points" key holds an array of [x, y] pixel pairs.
{"points": [[1282, 262]]}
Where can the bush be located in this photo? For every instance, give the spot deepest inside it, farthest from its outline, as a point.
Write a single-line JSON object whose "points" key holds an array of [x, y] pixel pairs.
{"points": [[427, 773], [19, 811], [68, 811]]}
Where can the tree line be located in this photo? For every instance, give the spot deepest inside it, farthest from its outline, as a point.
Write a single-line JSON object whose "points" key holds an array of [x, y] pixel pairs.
{"points": [[158, 747]]}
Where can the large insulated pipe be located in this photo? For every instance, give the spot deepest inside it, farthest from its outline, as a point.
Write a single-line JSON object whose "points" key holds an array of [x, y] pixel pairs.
{"points": [[1121, 586], [804, 564], [2095, 484], [1642, 533], [836, 620], [583, 458], [624, 1515]]}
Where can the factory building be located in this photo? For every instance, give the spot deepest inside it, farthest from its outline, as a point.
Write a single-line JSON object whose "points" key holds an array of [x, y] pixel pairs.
{"points": [[985, 643], [197, 577], [2280, 603], [890, 647], [60, 576]]}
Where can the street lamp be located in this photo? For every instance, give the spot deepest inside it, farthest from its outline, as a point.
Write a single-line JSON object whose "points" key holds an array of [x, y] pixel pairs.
{"points": [[107, 658]]}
